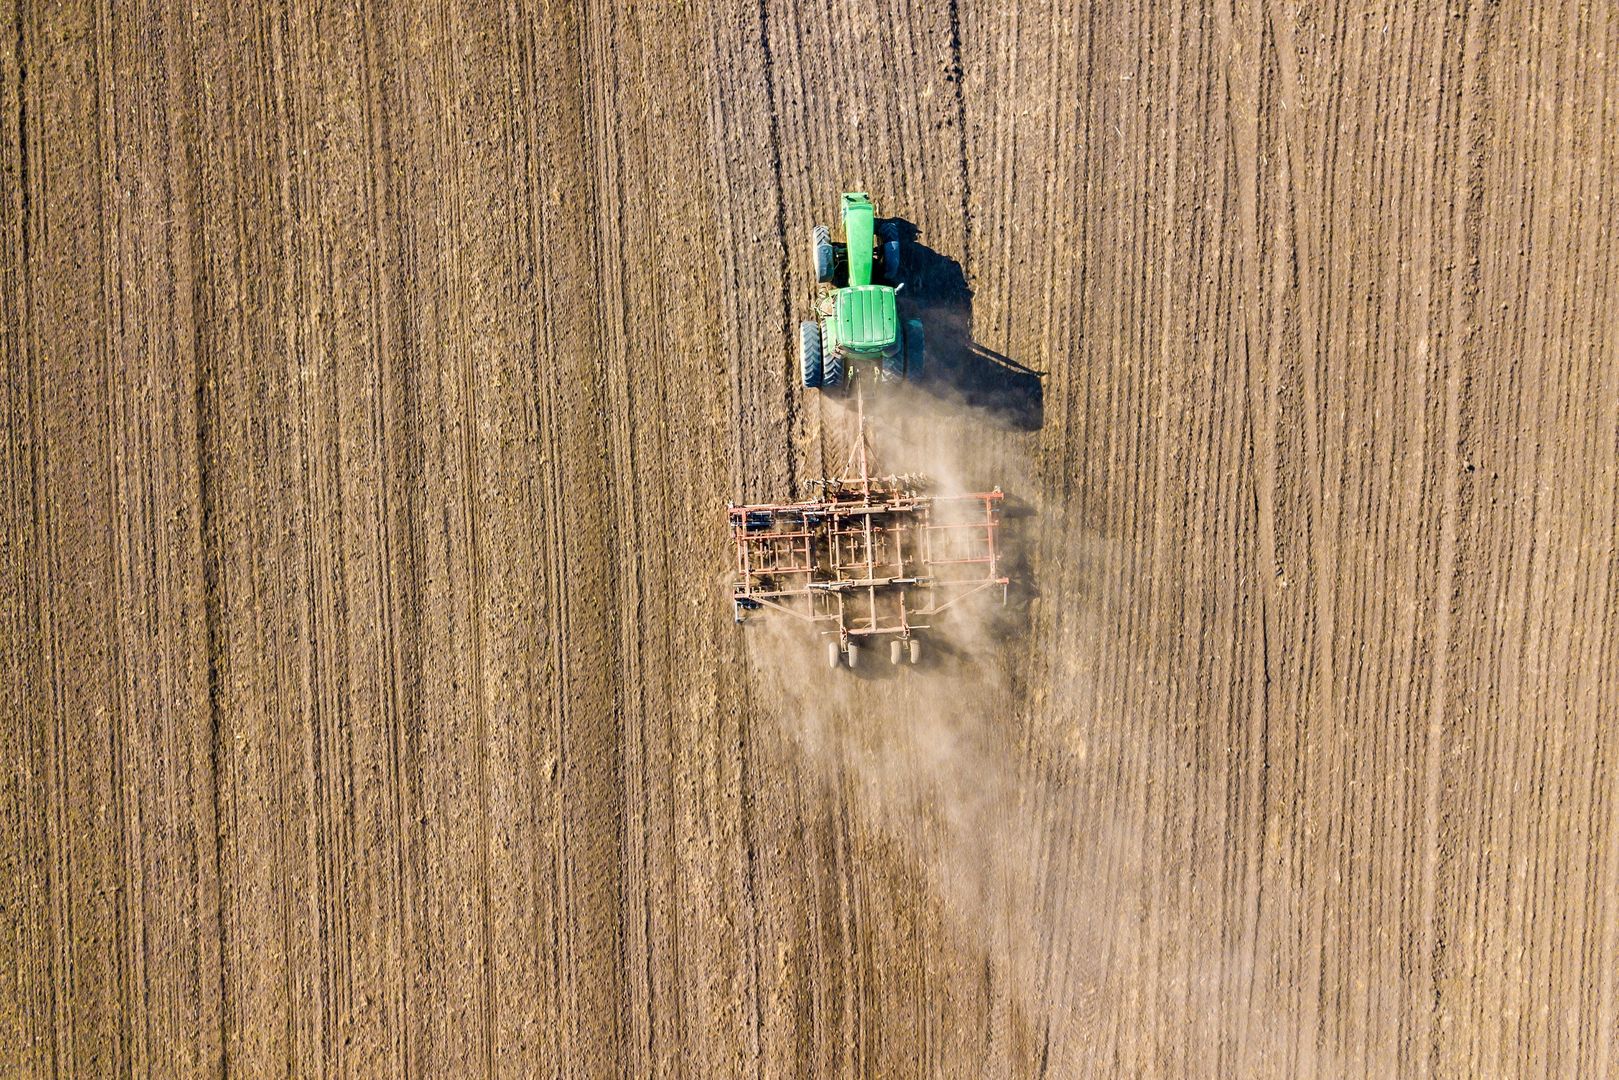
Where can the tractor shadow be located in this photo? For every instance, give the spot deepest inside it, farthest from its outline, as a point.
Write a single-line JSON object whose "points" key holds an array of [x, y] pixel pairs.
{"points": [[936, 290]]}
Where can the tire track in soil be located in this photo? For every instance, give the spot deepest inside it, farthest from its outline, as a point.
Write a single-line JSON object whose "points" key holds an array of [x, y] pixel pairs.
{"points": [[469, 498], [63, 214], [26, 809], [380, 1001], [1459, 318], [212, 1048]]}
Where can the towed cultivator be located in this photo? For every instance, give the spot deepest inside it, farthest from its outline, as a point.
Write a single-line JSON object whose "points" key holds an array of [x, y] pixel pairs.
{"points": [[874, 558]]}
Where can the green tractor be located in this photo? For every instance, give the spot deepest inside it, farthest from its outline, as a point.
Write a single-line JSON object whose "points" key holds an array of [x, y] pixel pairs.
{"points": [[859, 323]]}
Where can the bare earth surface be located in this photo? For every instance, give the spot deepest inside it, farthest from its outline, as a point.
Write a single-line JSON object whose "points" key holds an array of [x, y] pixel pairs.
{"points": [[374, 381]]}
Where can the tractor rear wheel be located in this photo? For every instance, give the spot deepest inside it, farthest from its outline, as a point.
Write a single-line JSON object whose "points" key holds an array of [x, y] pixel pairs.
{"points": [[834, 655], [809, 354], [821, 253], [831, 371], [915, 352]]}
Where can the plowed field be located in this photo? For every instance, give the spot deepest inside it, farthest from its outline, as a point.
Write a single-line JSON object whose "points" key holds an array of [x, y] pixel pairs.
{"points": [[374, 382]]}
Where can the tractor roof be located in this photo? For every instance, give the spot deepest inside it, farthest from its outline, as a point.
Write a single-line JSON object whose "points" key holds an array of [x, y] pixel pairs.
{"points": [[866, 317]]}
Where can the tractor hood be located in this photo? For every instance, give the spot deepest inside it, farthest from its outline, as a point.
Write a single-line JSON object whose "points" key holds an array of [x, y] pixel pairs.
{"points": [[866, 318]]}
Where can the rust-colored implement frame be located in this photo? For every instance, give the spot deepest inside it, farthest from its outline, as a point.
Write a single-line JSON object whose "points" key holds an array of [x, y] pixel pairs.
{"points": [[874, 555]]}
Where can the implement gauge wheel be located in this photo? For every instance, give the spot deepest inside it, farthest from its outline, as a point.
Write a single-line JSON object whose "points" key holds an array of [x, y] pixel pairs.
{"points": [[916, 650], [834, 655], [809, 354]]}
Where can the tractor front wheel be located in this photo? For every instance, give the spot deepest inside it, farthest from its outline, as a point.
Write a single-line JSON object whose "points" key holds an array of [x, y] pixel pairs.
{"points": [[821, 253], [809, 354], [888, 232]]}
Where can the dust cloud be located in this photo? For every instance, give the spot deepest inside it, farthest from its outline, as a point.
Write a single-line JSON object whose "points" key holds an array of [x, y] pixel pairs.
{"points": [[955, 762], [995, 767]]}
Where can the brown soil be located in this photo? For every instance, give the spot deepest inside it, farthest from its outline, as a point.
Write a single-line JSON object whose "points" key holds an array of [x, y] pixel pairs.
{"points": [[374, 384]]}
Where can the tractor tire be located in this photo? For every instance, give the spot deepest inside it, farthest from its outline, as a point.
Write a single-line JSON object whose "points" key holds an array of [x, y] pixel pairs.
{"points": [[894, 366], [809, 354], [895, 648], [834, 655], [916, 651], [831, 371], [822, 255], [888, 233], [915, 350], [853, 655]]}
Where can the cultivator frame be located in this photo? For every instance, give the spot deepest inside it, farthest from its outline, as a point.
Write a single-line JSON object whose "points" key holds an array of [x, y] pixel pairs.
{"points": [[874, 557]]}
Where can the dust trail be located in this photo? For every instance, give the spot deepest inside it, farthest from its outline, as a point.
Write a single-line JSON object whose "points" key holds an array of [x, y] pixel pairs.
{"points": [[953, 761], [1045, 815]]}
